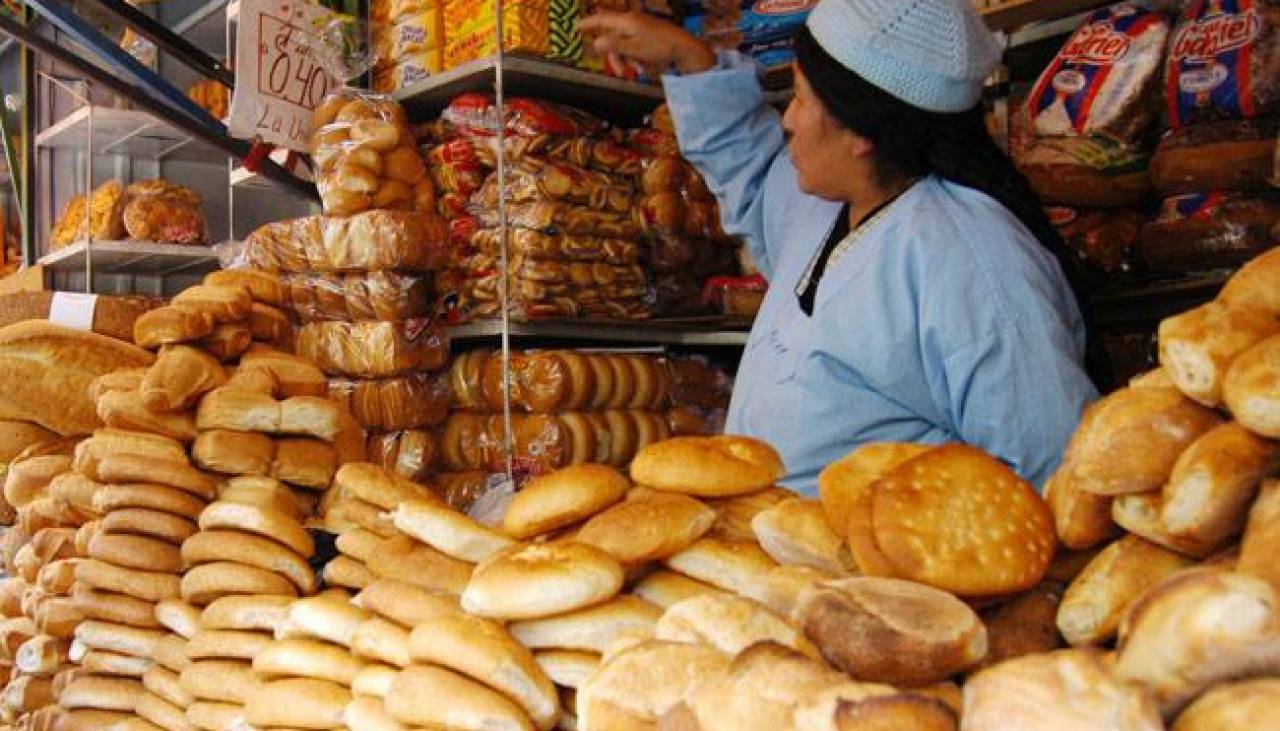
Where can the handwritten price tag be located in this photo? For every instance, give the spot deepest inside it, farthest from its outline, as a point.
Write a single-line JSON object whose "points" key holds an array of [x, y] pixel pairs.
{"points": [[278, 80]]}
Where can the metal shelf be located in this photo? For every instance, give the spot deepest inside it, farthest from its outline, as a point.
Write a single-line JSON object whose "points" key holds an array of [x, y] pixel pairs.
{"points": [[242, 179], [133, 257], [127, 132], [617, 99], [693, 332], [1011, 14], [1142, 303]]}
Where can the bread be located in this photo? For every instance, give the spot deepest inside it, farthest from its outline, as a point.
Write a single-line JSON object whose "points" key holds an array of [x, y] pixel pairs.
{"points": [[17, 436], [708, 466], [1135, 437], [139, 468], [382, 641], [1068, 690], [297, 702], [891, 631], [729, 566], [448, 531], [295, 376], [728, 623], [840, 483], [118, 441], [648, 528], [796, 532], [251, 550], [264, 492], [347, 573], [171, 653], [136, 552], [1245, 704], [212, 716], [425, 695], [163, 683], [179, 378], [101, 662], [171, 326], [1097, 600], [562, 498], [58, 617], [265, 522], [270, 325], [374, 680], [135, 641], [368, 714], [233, 452], [109, 607], [1024, 625], [227, 645], [227, 342], [568, 668], [1140, 514], [1197, 346], [145, 585], [306, 659], [207, 582], [312, 416], [154, 523], [27, 693], [482, 650], [246, 613], [1250, 388], [225, 303], [74, 489], [591, 629], [665, 588], [128, 379], [538, 580], [179, 618], [102, 693], [262, 286], [1081, 519], [156, 713], [254, 379], [377, 486], [152, 498], [235, 410], [781, 588], [41, 655], [322, 618], [26, 480], [1198, 628], [404, 603], [1262, 536], [307, 463], [422, 566], [734, 514]]}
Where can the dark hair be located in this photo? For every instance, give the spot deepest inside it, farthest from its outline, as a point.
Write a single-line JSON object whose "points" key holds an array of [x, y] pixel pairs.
{"points": [[912, 142]]}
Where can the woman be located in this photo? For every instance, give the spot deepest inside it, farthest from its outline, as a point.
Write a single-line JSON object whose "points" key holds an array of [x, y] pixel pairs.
{"points": [[913, 293]]}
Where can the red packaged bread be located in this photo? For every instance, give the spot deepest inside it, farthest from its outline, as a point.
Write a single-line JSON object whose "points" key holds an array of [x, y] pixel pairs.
{"points": [[1101, 238], [1203, 231], [1224, 62], [1236, 155]]}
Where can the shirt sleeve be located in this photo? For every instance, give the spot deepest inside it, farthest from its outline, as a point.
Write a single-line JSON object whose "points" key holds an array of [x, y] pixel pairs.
{"points": [[733, 138]]}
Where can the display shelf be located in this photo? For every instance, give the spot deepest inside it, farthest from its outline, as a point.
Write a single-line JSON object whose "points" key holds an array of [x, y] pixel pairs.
{"points": [[132, 257], [715, 331], [127, 132], [618, 99], [1145, 302], [205, 28], [242, 178], [1009, 14]]}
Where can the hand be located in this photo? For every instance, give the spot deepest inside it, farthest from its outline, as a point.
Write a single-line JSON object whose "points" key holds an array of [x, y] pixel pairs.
{"points": [[647, 40]]}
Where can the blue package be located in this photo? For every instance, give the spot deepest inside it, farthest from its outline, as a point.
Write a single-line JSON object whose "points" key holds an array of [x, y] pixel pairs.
{"points": [[762, 28]]}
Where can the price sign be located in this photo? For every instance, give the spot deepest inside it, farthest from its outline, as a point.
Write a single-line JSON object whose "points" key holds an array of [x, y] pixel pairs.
{"points": [[279, 81]]}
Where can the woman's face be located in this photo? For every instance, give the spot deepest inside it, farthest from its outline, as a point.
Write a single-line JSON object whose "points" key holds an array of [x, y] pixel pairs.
{"points": [[827, 156]]}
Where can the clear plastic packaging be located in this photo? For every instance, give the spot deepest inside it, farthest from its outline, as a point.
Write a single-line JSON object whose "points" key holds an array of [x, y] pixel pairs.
{"points": [[373, 349], [415, 401], [1085, 171], [374, 240], [104, 218], [375, 295], [164, 212], [461, 489], [1235, 155], [736, 296], [476, 115], [539, 246], [456, 168], [698, 384], [554, 381], [413, 454], [534, 180], [1200, 232], [532, 300], [558, 218]]}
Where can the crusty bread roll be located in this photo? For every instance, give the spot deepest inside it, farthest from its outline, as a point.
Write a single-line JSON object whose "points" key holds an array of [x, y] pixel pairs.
{"points": [[179, 618], [375, 485], [246, 613], [326, 618], [1081, 518], [1261, 542], [448, 531], [119, 441], [17, 436], [237, 410], [171, 653], [368, 714], [664, 588], [165, 526], [101, 662], [374, 680], [422, 566], [135, 552], [348, 573], [430, 696], [58, 617], [163, 683], [205, 583], [1251, 386], [404, 603], [101, 692], [780, 588], [539, 580], [227, 645], [296, 376], [263, 286], [1068, 690], [1249, 704], [1200, 627], [730, 624], [233, 452], [56, 577], [298, 702], [716, 466], [305, 462], [126, 640], [261, 521], [214, 716], [568, 668], [225, 303], [311, 416], [482, 650], [562, 498], [1097, 600], [1024, 625], [1197, 346], [795, 532], [734, 514], [891, 631], [178, 379], [634, 688], [73, 488], [1135, 436], [163, 498], [1254, 284], [1140, 515], [27, 693], [250, 550], [382, 641], [307, 659], [840, 484], [359, 544], [41, 655], [591, 629], [27, 479], [722, 564], [125, 410], [145, 585], [264, 492], [110, 607], [648, 528], [125, 379], [158, 713]]}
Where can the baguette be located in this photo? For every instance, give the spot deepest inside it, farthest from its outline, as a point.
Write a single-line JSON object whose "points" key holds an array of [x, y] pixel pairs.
{"points": [[260, 521], [246, 613], [102, 693], [117, 608], [134, 641], [251, 550], [208, 582], [136, 552], [145, 585]]}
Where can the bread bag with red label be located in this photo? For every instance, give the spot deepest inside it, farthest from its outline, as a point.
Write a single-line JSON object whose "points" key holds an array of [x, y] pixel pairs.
{"points": [[1234, 154], [1102, 238], [1202, 231], [1224, 62], [1091, 172]]}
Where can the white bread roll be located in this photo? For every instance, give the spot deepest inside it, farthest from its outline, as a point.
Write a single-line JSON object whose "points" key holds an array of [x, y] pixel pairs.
{"points": [[171, 653], [539, 580], [264, 522], [448, 531], [482, 650], [261, 613], [376, 486], [1140, 515], [842, 482], [101, 662], [118, 638], [367, 714], [383, 641], [1252, 388], [430, 696], [1197, 346], [153, 523], [781, 588], [359, 544], [734, 514], [732, 567], [213, 716], [58, 617], [326, 617], [211, 581], [421, 565], [307, 659], [299, 703], [561, 498], [162, 714], [347, 573], [84, 719], [148, 586], [27, 480], [147, 496], [592, 629], [634, 688], [227, 644], [648, 528], [223, 681], [730, 624], [164, 683], [113, 607], [1068, 690], [264, 492], [568, 668], [374, 679], [1261, 542], [101, 693], [1254, 284], [404, 603], [717, 466], [795, 532], [664, 588], [27, 693], [1249, 704], [178, 617], [237, 547]]}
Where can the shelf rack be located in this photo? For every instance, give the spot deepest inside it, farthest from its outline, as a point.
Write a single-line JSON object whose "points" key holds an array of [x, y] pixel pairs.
{"points": [[1005, 15], [685, 332], [126, 132], [131, 257]]}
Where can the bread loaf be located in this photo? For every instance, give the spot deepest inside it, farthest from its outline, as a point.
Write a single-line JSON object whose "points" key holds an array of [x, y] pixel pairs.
{"points": [[323, 618], [250, 550], [171, 326], [1252, 385], [1254, 284], [227, 645], [562, 498], [422, 566], [246, 613], [233, 452], [1197, 346], [537, 580], [180, 376], [306, 659], [294, 376], [382, 641], [163, 683], [425, 695], [235, 410], [265, 522], [729, 566], [135, 552], [840, 484], [112, 316], [165, 526], [708, 466], [374, 485], [208, 582], [298, 702], [120, 468], [728, 623], [665, 588], [1097, 600], [648, 528], [1245, 704], [592, 629], [113, 607], [145, 585], [179, 618], [796, 532], [151, 498], [27, 479], [102, 693], [17, 436], [404, 603], [347, 573]]}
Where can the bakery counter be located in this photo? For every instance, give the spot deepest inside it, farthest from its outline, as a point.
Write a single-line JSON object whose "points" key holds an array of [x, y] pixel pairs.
{"points": [[714, 331]]}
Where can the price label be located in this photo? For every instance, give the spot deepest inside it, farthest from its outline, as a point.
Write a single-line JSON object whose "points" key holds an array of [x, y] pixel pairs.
{"points": [[279, 81]]}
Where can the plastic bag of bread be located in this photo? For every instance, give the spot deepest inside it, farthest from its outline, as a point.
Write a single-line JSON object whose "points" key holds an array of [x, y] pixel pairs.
{"points": [[530, 299], [373, 349], [603, 155], [412, 454], [461, 489], [366, 155], [537, 245], [414, 401], [1202, 231], [1234, 155], [409, 70], [164, 212], [410, 242], [652, 142], [533, 180], [559, 218], [375, 295], [1086, 171], [1223, 63], [476, 115], [1102, 238], [1101, 82], [102, 220], [455, 168]]}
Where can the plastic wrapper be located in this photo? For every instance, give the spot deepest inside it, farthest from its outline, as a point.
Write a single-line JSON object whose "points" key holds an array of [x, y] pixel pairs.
{"points": [[455, 168], [1199, 232], [366, 155], [652, 142], [476, 115], [736, 296], [413, 454], [546, 442], [761, 29], [673, 214], [407, 71], [698, 384], [164, 212], [376, 295], [558, 218], [373, 349], [212, 97], [1085, 171], [531, 300], [560, 380], [684, 421], [416, 32], [537, 27], [415, 401], [1224, 62], [412, 242], [104, 221], [1103, 80], [533, 180], [539, 246], [1102, 239], [461, 489], [1234, 155]]}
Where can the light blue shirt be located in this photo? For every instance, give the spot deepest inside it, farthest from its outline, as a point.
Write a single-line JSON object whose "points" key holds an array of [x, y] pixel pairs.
{"points": [[942, 319]]}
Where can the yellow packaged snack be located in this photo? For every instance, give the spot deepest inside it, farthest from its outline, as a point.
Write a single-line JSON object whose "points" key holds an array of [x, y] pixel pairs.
{"points": [[416, 33]]}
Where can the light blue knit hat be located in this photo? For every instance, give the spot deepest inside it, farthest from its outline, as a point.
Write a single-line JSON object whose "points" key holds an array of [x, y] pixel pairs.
{"points": [[933, 54]]}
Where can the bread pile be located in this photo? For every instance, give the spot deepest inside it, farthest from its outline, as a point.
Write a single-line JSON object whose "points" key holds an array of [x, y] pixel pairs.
{"points": [[155, 211], [112, 315]]}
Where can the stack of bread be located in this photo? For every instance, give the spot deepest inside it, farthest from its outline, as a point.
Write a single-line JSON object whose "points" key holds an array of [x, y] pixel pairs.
{"points": [[154, 211]]}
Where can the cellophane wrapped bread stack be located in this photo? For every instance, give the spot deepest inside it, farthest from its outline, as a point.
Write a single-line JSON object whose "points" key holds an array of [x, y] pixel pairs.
{"points": [[408, 42], [149, 210]]}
